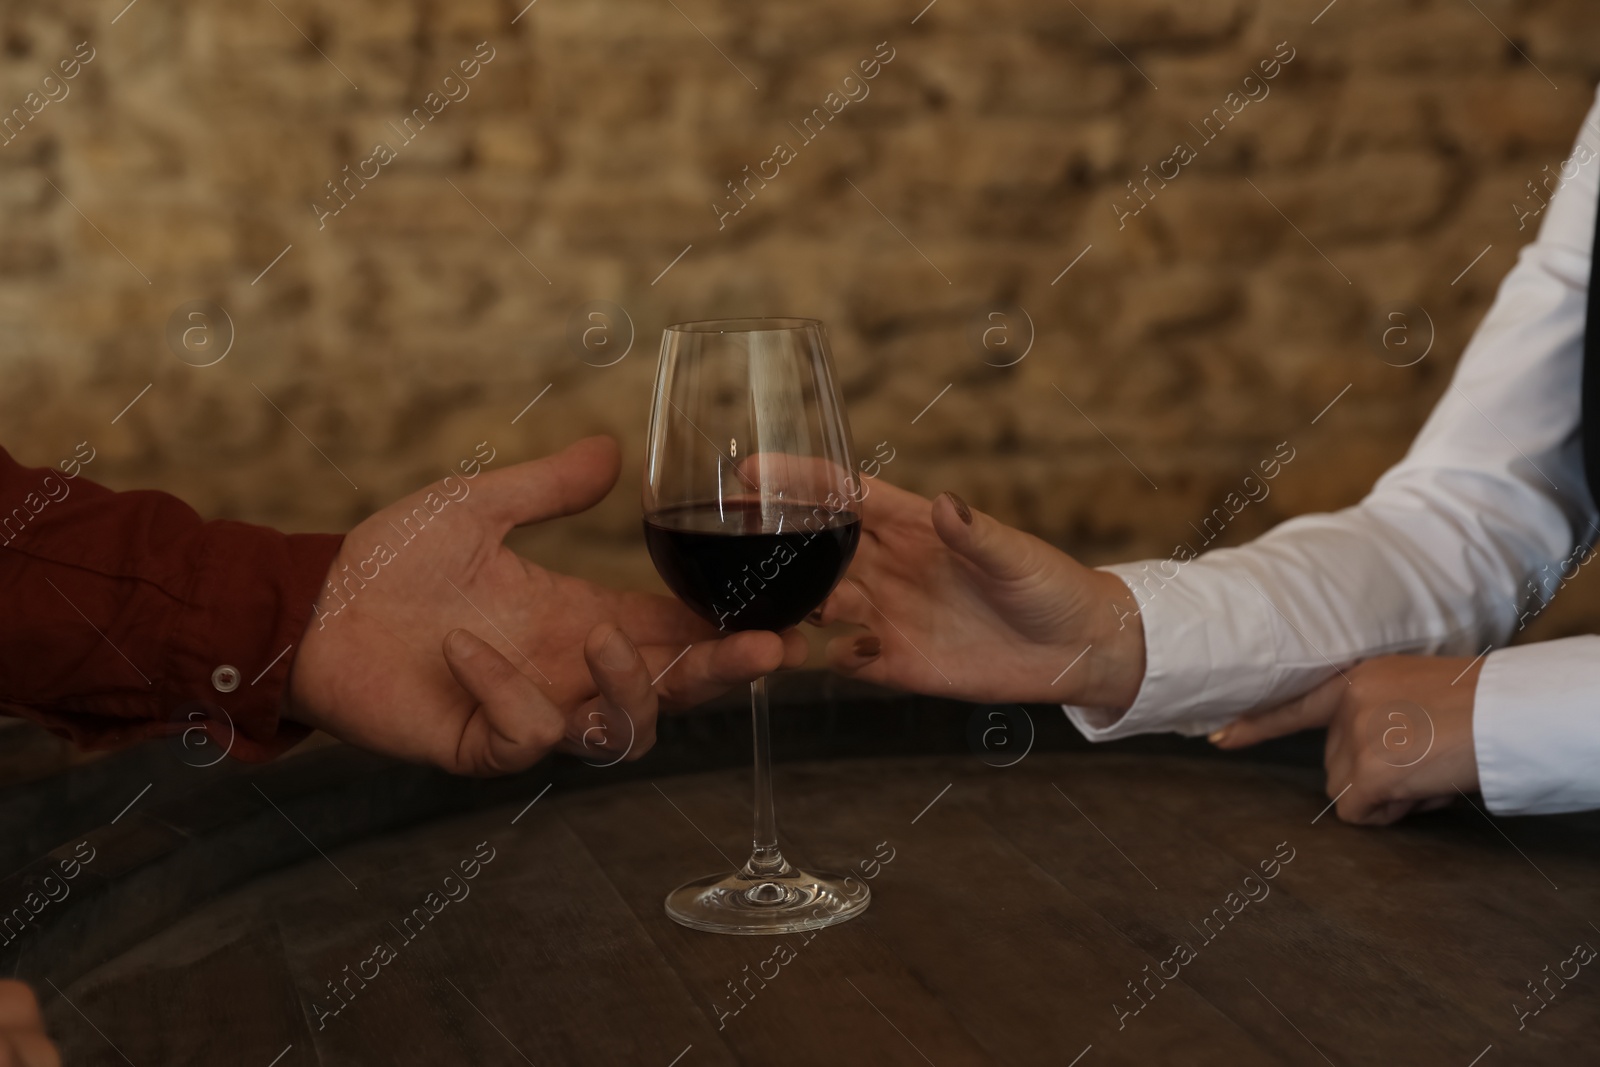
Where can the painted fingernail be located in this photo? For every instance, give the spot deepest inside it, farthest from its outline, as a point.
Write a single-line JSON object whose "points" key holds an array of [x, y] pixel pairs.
{"points": [[868, 647], [618, 652], [963, 512]]}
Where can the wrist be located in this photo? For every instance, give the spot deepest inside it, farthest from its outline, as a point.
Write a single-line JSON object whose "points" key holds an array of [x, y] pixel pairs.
{"points": [[305, 682], [1116, 656]]}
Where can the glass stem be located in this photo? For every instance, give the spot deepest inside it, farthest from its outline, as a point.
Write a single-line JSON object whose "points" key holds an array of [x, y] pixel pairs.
{"points": [[765, 859]]}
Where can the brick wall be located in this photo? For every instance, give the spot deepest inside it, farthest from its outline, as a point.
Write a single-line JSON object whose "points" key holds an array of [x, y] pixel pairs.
{"points": [[594, 143]]}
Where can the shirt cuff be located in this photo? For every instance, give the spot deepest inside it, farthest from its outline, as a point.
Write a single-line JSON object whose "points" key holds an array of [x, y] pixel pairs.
{"points": [[232, 646], [1535, 728], [1185, 626]]}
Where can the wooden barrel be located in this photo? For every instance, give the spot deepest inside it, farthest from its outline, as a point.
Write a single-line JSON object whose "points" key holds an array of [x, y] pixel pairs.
{"points": [[1034, 901]]}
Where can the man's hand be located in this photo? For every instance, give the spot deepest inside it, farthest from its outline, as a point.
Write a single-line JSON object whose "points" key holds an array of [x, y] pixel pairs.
{"points": [[1399, 734], [22, 1038], [959, 604], [441, 645]]}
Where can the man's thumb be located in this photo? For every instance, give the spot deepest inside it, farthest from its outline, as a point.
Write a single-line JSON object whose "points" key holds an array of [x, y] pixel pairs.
{"points": [[572, 480]]}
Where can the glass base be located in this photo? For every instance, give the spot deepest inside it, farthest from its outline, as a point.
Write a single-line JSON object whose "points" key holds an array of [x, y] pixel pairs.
{"points": [[778, 903]]}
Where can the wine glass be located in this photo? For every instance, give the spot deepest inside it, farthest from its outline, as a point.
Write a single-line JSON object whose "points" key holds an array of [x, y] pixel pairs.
{"points": [[752, 511]]}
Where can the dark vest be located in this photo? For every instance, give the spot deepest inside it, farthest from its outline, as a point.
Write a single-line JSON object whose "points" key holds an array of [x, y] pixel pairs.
{"points": [[1591, 372]]}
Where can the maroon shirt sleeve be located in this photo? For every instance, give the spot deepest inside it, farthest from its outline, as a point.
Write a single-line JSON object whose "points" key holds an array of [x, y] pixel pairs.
{"points": [[125, 616]]}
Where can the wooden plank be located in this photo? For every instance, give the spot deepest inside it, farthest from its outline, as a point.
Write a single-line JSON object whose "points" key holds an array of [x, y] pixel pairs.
{"points": [[1006, 925], [843, 997], [1467, 912], [212, 989], [1370, 930], [1108, 836], [1027, 965], [538, 960]]}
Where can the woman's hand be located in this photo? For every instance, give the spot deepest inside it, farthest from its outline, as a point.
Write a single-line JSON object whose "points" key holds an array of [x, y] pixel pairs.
{"points": [[958, 604], [1399, 734], [22, 1039]]}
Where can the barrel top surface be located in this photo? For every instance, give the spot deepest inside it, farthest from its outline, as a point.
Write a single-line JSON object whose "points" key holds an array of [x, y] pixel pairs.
{"points": [[1125, 908]]}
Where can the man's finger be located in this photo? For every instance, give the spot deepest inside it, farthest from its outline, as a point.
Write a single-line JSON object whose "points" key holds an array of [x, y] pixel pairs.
{"points": [[710, 668], [27, 1048], [621, 722], [22, 1037], [19, 1008], [514, 724], [572, 480], [796, 649], [1315, 708]]}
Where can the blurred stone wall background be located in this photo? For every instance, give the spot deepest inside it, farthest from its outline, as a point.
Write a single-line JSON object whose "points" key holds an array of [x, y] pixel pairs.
{"points": [[986, 157]]}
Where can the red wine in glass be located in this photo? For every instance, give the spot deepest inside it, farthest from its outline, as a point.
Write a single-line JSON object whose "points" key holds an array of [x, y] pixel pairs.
{"points": [[740, 569]]}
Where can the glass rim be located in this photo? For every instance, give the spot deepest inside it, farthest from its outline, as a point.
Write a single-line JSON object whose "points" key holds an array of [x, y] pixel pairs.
{"points": [[757, 324]]}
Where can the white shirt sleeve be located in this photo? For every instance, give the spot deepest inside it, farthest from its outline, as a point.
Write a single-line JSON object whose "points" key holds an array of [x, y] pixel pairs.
{"points": [[1451, 552], [1536, 727]]}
